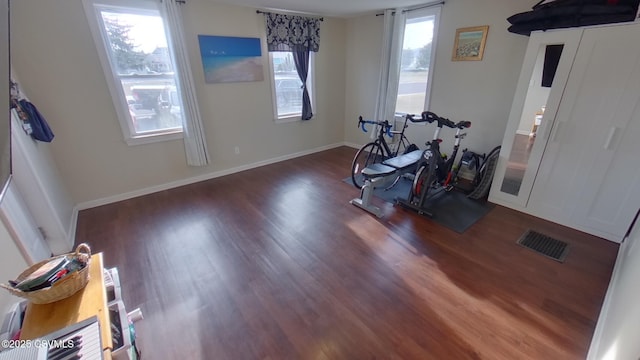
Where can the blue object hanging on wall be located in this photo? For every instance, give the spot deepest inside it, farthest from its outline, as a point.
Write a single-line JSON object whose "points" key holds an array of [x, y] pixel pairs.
{"points": [[40, 127]]}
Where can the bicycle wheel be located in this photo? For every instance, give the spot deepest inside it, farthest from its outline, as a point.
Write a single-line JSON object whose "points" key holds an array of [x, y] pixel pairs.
{"points": [[418, 180], [482, 170], [426, 177], [367, 155], [423, 183]]}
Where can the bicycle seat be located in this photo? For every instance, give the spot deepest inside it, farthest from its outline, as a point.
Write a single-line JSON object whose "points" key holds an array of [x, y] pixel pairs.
{"points": [[463, 124]]}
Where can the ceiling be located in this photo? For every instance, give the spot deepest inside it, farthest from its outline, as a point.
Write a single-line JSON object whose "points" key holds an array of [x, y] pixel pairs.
{"points": [[338, 8]]}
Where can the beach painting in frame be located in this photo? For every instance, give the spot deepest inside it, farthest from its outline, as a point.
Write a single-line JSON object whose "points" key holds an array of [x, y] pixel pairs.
{"points": [[469, 43], [231, 59]]}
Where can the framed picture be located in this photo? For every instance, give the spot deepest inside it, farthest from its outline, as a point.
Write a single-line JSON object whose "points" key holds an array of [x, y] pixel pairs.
{"points": [[469, 44], [230, 59]]}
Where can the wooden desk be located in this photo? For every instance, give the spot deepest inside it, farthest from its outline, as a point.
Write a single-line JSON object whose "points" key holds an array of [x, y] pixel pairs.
{"points": [[43, 319]]}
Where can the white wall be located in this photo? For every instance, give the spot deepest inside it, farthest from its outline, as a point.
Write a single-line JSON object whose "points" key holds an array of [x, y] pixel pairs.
{"points": [[47, 197], [364, 47], [478, 91], [616, 334], [55, 56]]}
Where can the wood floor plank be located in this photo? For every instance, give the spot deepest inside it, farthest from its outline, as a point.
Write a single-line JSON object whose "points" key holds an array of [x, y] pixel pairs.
{"points": [[274, 263]]}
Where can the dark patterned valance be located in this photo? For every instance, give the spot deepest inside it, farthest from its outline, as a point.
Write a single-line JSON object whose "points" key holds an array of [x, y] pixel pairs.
{"points": [[292, 33]]}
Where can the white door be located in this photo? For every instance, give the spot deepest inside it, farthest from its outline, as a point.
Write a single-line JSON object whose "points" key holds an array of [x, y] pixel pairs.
{"points": [[18, 220], [517, 167], [588, 177]]}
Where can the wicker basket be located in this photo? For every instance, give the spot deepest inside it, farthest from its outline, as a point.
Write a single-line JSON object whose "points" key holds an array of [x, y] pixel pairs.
{"points": [[61, 289]]}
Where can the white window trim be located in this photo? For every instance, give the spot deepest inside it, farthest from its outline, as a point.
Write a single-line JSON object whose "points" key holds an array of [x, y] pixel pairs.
{"points": [[115, 89], [431, 11], [274, 102]]}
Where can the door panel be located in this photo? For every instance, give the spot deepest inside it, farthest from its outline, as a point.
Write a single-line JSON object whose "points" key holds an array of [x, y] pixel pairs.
{"points": [[587, 175], [613, 186], [520, 155]]}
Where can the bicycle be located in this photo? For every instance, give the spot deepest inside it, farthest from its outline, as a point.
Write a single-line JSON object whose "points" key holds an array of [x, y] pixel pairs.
{"points": [[484, 174], [436, 170], [379, 150]]}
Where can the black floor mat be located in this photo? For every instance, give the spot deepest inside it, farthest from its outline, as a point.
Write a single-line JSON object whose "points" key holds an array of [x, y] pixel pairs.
{"points": [[545, 245], [451, 209]]}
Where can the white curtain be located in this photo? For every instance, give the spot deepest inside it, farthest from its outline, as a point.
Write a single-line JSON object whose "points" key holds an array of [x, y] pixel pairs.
{"points": [[195, 143], [392, 39]]}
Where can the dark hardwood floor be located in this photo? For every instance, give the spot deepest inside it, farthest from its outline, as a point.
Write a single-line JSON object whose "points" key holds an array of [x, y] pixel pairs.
{"points": [[274, 263]]}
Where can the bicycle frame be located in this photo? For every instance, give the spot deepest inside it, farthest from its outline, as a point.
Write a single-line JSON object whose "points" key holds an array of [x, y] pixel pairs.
{"points": [[434, 169], [385, 129], [445, 173], [449, 164], [379, 149], [383, 142], [434, 149], [403, 139]]}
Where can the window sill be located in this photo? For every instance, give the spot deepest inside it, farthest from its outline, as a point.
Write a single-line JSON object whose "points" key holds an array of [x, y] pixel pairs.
{"points": [[153, 138], [288, 119], [292, 118]]}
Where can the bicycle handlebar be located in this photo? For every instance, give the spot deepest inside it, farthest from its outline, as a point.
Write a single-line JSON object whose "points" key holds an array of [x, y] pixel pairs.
{"points": [[411, 117], [385, 126], [430, 117]]}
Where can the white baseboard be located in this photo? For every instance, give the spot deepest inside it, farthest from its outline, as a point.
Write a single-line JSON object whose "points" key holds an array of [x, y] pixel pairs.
{"points": [[564, 221], [352, 145], [195, 179], [606, 305]]}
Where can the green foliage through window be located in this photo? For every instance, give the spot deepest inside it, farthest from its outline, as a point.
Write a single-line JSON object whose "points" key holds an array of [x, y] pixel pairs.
{"points": [[127, 57]]}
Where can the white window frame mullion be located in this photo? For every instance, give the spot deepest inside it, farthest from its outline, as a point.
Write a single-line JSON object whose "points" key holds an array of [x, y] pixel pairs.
{"points": [[413, 14], [92, 9], [311, 80]]}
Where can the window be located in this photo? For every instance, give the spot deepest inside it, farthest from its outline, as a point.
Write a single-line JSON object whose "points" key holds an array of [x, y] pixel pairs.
{"points": [[418, 52], [287, 87], [132, 43]]}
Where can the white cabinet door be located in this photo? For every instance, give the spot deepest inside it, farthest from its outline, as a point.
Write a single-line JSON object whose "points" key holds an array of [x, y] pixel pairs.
{"points": [[588, 177], [18, 221], [517, 166]]}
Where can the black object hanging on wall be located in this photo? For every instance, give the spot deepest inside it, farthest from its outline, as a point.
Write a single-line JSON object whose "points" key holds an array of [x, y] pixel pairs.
{"points": [[558, 14]]}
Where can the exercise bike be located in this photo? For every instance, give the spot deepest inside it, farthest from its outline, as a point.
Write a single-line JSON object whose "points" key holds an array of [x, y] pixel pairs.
{"points": [[436, 172]]}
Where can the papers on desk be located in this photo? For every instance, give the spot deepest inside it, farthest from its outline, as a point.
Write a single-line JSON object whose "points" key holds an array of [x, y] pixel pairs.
{"points": [[48, 274], [78, 341]]}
